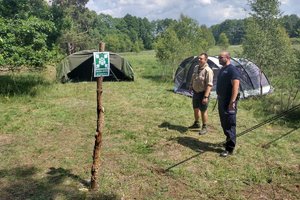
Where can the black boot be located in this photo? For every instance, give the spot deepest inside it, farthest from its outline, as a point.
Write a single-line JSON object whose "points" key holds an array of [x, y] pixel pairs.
{"points": [[195, 125]]}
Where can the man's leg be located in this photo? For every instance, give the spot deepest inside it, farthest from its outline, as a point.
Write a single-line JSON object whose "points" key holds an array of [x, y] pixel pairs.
{"points": [[204, 118], [196, 114], [196, 104], [230, 129], [228, 122], [196, 117]]}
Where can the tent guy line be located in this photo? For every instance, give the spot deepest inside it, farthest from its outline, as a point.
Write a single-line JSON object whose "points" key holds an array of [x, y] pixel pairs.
{"points": [[243, 133]]}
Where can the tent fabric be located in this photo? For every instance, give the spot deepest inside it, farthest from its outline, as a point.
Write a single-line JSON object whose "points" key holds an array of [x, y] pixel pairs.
{"points": [[253, 81], [79, 67]]}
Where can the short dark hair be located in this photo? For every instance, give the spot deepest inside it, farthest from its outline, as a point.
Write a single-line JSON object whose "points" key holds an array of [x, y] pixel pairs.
{"points": [[205, 55], [227, 54]]}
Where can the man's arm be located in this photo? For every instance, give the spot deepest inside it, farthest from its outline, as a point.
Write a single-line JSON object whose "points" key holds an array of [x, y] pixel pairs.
{"points": [[206, 94], [207, 91], [209, 83], [235, 90]]}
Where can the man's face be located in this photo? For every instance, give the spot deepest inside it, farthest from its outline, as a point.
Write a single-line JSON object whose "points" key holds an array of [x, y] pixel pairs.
{"points": [[202, 60], [223, 59]]}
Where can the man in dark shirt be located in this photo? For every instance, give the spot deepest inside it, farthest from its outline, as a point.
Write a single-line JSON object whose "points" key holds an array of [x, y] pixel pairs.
{"points": [[227, 90]]}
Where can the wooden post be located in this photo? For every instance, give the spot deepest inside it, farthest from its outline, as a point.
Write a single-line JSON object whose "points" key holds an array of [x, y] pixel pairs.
{"points": [[100, 124]]}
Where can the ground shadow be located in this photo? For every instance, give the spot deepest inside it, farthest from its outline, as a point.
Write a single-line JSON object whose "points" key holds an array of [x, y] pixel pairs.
{"points": [[197, 145], [181, 129], [24, 183], [293, 117], [59, 174], [20, 85]]}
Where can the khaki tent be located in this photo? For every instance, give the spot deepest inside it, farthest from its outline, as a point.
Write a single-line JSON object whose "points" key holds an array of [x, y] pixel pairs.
{"points": [[79, 67]]}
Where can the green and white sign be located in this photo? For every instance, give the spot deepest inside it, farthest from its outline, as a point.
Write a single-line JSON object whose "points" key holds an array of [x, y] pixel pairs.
{"points": [[101, 64]]}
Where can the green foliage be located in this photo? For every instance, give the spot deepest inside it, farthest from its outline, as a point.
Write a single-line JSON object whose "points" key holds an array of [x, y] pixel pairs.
{"points": [[292, 25], [191, 35], [76, 24], [208, 36], [66, 26], [223, 41], [266, 42], [26, 43], [138, 46], [118, 42], [140, 29], [160, 26], [233, 28], [182, 39], [27, 33], [167, 46], [68, 3], [22, 9], [268, 45]]}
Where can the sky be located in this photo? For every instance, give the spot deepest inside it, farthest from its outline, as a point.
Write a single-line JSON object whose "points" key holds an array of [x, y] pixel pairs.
{"points": [[208, 12]]}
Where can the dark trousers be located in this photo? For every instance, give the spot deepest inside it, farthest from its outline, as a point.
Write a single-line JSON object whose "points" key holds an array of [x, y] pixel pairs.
{"points": [[228, 123]]}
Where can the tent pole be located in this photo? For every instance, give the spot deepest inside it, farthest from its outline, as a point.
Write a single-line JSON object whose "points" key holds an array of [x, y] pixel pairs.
{"points": [[99, 131], [114, 75]]}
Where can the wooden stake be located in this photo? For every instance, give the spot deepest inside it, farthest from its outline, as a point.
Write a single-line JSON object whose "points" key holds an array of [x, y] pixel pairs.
{"points": [[99, 131]]}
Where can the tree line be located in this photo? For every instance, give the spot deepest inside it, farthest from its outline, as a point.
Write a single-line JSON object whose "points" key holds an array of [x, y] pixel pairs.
{"points": [[235, 29], [33, 32]]}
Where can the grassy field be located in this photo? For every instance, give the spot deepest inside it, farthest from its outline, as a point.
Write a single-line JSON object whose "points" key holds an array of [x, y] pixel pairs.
{"points": [[47, 137]]}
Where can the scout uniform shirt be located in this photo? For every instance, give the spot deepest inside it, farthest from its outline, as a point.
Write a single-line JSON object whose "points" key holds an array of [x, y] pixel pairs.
{"points": [[202, 77]]}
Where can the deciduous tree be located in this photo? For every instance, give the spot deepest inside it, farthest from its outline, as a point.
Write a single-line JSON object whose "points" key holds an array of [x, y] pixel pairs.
{"points": [[223, 41], [268, 45]]}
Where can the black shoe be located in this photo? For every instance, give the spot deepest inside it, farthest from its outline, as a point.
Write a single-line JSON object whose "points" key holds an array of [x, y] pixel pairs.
{"points": [[203, 131], [226, 153], [195, 125]]}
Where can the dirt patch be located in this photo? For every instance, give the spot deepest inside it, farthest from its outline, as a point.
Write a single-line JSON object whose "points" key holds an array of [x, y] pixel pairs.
{"points": [[5, 140], [273, 191]]}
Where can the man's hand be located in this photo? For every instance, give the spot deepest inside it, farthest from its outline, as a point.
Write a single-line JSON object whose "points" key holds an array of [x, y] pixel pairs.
{"points": [[231, 106], [205, 100]]}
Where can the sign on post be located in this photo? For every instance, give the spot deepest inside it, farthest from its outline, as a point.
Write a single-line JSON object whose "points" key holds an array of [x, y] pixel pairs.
{"points": [[101, 64]]}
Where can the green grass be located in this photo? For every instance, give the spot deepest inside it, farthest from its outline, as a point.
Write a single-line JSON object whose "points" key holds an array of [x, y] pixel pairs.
{"points": [[47, 138]]}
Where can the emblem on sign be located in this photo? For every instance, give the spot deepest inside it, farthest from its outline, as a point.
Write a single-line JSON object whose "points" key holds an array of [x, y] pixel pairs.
{"points": [[101, 64]]}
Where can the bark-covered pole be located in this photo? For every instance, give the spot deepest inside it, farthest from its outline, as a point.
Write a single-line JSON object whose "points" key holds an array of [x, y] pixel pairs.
{"points": [[99, 131]]}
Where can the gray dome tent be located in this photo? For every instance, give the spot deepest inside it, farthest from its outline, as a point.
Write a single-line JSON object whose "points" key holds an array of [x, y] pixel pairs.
{"points": [[253, 81], [79, 67]]}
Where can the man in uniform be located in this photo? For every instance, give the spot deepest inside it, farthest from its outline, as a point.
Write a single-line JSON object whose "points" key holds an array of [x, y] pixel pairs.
{"points": [[201, 84]]}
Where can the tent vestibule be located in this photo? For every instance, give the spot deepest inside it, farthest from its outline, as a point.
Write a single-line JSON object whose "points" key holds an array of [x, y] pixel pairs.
{"points": [[79, 67]]}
